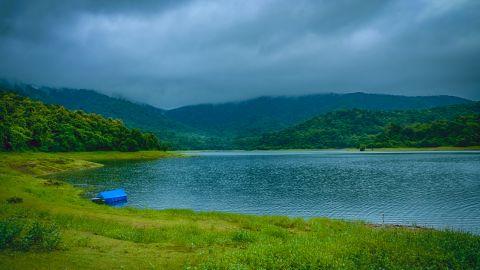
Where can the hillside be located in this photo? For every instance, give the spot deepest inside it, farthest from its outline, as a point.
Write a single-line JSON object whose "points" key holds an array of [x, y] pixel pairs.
{"points": [[456, 125], [31, 125], [274, 113], [134, 115], [219, 126]]}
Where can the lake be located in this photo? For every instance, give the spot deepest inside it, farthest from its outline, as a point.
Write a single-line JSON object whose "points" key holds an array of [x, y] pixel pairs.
{"points": [[434, 189]]}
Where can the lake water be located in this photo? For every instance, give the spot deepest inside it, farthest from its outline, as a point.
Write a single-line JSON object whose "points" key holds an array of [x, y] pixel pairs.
{"points": [[434, 189]]}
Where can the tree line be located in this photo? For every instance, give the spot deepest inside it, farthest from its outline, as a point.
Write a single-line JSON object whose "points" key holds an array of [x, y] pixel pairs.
{"points": [[461, 131], [446, 126], [26, 124]]}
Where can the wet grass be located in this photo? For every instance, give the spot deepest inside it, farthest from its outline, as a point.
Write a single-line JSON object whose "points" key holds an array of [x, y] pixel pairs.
{"points": [[98, 236]]}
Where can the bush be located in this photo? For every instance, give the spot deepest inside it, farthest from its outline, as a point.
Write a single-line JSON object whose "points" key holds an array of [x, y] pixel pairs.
{"points": [[14, 199], [10, 231], [21, 235], [243, 237]]}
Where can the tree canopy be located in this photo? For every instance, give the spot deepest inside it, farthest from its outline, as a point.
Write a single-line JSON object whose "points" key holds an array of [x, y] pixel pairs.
{"points": [[457, 125], [31, 125]]}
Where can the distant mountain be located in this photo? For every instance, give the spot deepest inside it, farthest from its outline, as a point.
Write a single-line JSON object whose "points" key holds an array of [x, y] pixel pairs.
{"points": [[266, 114], [456, 125]]}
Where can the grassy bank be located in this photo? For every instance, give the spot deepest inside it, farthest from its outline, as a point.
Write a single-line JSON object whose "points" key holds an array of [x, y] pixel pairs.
{"points": [[101, 237], [440, 148]]}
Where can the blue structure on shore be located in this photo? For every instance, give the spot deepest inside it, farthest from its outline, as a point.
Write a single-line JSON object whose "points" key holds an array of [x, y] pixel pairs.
{"points": [[113, 197]]}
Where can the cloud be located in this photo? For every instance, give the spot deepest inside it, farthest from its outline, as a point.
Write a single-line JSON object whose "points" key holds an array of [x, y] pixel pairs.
{"points": [[173, 53]]}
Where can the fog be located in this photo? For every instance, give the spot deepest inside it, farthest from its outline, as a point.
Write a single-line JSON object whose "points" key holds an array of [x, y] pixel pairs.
{"points": [[174, 53]]}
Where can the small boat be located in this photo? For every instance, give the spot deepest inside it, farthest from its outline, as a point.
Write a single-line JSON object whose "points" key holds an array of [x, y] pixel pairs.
{"points": [[111, 197]]}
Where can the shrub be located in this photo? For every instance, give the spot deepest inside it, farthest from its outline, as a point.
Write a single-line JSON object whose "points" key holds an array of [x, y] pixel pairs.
{"points": [[21, 235], [14, 199], [10, 231], [243, 237]]}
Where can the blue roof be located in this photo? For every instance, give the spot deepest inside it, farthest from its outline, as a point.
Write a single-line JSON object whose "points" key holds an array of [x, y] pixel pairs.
{"points": [[110, 194]]}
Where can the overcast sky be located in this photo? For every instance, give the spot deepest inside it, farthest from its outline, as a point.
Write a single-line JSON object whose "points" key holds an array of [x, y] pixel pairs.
{"points": [[172, 53]]}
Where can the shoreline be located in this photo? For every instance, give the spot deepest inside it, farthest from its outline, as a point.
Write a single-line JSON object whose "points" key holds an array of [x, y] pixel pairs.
{"points": [[94, 160], [125, 156], [176, 238], [471, 149], [426, 149]]}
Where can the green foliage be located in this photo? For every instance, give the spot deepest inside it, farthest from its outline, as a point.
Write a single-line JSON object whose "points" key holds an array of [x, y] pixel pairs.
{"points": [[31, 125], [444, 126], [21, 235], [267, 114], [461, 131], [220, 126], [9, 232], [133, 115], [243, 236], [346, 246]]}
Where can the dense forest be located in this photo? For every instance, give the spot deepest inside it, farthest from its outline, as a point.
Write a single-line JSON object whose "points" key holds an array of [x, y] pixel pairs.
{"points": [[457, 125], [133, 115], [217, 126], [261, 123], [269, 114], [461, 131], [31, 125]]}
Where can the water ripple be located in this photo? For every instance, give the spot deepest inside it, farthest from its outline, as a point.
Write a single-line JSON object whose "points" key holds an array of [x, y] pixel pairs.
{"points": [[440, 190]]}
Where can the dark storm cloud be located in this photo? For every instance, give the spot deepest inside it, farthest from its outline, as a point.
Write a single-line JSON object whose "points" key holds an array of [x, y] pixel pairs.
{"points": [[171, 53]]}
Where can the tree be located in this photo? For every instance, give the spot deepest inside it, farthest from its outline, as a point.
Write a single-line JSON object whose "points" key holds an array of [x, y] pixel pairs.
{"points": [[30, 125]]}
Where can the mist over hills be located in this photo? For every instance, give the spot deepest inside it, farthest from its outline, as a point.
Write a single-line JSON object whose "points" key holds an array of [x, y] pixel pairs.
{"points": [[218, 126], [92, 101], [137, 115], [273, 113]]}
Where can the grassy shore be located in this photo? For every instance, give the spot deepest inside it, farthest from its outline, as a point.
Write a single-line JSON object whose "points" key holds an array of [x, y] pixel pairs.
{"points": [[101, 237], [391, 149], [439, 148]]}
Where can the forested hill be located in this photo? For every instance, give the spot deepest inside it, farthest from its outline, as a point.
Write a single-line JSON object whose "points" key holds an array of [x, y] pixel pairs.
{"points": [[274, 113], [31, 125], [457, 125], [134, 115], [217, 126]]}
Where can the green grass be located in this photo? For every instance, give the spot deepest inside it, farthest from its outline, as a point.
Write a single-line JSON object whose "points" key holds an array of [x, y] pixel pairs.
{"points": [[439, 148], [20, 235], [100, 237]]}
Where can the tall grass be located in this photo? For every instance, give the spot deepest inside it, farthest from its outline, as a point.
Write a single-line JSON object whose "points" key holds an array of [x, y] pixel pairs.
{"points": [[170, 239], [335, 246], [25, 235]]}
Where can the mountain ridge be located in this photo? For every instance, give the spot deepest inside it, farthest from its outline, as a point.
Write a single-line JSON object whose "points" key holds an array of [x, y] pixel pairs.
{"points": [[217, 125], [274, 113], [133, 114]]}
